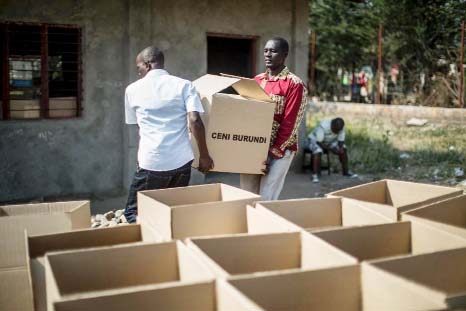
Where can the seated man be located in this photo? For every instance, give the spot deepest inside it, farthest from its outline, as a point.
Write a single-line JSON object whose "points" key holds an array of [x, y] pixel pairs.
{"points": [[329, 135]]}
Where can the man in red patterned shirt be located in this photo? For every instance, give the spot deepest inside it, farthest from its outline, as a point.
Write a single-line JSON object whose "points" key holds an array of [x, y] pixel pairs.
{"points": [[290, 97]]}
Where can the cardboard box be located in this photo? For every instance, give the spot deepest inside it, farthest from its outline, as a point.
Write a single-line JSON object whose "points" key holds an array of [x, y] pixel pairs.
{"points": [[238, 127], [326, 289], [15, 285], [339, 288], [440, 276], [393, 239], [448, 215], [62, 107], [39, 245], [245, 254], [179, 213], [24, 109], [207, 296], [393, 197], [319, 213], [97, 271]]}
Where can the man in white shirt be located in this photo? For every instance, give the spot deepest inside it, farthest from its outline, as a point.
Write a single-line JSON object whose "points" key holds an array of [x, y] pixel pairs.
{"points": [[162, 106], [329, 135]]}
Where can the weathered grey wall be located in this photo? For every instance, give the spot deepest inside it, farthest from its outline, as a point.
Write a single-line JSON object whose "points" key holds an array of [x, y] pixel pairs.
{"points": [[95, 155], [180, 29], [82, 156]]}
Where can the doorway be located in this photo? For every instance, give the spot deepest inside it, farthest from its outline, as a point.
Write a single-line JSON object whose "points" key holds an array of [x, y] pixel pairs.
{"points": [[231, 54]]}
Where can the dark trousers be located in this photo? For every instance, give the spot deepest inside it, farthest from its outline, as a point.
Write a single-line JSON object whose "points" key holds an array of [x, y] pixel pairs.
{"points": [[151, 180]]}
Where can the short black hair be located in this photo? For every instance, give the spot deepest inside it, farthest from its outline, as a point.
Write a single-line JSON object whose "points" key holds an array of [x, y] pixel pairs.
{"points": [[152, 55], [282, 43], [338, 123]]}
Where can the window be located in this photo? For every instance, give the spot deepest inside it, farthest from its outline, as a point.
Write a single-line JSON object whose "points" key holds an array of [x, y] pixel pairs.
{"points": [[40, 71]]}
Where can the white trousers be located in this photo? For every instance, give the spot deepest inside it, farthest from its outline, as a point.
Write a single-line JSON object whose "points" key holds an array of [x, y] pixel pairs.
{"points": [[268, 186]]}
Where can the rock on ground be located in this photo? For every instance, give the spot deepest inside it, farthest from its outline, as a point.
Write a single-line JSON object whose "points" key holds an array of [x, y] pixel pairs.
{"points": [[109, 219]]}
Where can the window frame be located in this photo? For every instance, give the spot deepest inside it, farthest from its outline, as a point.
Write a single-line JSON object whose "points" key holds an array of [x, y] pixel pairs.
{"points": [[44, 55]]}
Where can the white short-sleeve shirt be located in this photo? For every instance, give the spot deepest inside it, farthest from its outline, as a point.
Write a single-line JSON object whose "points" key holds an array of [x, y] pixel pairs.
{"points": [[158, 104], [323, 133]]}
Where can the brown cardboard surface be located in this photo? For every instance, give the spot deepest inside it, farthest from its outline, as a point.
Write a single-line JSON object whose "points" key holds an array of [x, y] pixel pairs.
{"points": [[392, 239], [448, 215], [37, 219], [237, 127], [39, 245], [392, 197], [327, 289], [321, 213], [62, 107], [15, 290], [443, 274], [24, 109], [244, 254], [196, 210], [208, 296], [109, 268], [386, 291]]}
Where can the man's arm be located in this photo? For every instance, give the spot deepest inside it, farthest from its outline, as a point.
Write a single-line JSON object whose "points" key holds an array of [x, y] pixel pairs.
{"points": [[323, 145], [197, 129], [294, 111]]}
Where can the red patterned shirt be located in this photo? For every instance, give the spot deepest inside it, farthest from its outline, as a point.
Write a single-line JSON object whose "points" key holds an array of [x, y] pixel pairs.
{"points": [[290, 97]]}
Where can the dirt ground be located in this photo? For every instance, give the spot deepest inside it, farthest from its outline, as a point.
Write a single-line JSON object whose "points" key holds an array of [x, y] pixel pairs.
{"points": [[299, 185]]}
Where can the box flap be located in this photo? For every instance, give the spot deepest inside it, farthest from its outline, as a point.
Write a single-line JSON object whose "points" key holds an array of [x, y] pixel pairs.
{"points": [[446, 269], [327, 289], [249, 88], [208, 85]]}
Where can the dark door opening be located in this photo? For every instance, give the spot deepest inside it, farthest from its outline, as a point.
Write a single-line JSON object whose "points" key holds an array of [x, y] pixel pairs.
{"points": [[231, 55]]}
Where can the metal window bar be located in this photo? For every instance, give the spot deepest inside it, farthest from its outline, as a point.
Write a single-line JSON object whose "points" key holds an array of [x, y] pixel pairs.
{"points": [[46, 51]]}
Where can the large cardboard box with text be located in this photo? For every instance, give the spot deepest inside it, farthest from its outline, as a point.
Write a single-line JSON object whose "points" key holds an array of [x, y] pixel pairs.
{"points": [[211, 209], [246, 254], [206, 296], [392, 239], [39, 245], [42, 218], [238, 127], [439, 276], [92, 272], [448, 215], [319, 213], [352, 288], [393, 197]]}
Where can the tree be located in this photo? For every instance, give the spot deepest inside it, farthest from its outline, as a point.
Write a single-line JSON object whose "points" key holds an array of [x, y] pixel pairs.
{"points": [[420, 36]]}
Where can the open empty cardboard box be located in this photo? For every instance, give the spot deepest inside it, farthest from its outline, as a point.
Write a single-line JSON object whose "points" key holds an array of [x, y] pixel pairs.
{"points": [[75, 274], [39, 245], [347, 288], [440, 276], [393, 239], [212, 209], [238, 127], [245, 254], [319, 213], [448, 215], [393, 197], [42, 218], [326, 289], [206, 296]]}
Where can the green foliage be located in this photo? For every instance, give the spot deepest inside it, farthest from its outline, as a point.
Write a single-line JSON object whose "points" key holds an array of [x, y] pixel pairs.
{"points": [[421, 36]]}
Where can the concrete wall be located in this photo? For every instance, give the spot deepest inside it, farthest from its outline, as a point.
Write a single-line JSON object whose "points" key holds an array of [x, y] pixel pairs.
{"points": [[95, 155], [82, 156], [395, 113]]}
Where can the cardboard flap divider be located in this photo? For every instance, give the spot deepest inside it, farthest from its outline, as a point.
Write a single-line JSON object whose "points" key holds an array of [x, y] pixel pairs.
{"points": [[208, 85]]}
